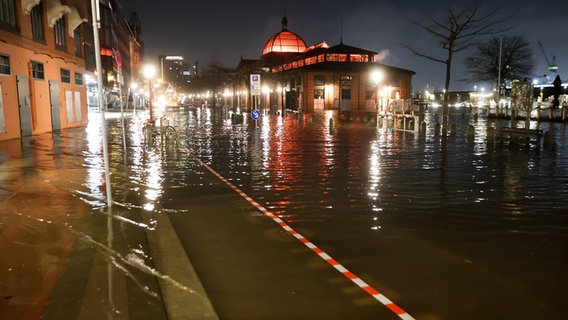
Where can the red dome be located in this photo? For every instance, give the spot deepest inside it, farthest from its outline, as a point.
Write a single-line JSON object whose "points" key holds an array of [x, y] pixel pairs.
{"points": [[284, 41]]}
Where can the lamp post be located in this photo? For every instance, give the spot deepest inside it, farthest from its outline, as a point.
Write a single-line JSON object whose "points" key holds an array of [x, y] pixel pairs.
{"points": [[132, 91], [149, 74], [377, 77]]}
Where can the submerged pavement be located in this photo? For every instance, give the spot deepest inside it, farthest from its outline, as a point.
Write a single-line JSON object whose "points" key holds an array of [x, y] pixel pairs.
{"points": [[202, 251]]}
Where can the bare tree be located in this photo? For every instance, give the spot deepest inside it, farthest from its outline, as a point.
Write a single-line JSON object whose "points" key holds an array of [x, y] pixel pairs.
{"points": [[455, 32], [517, 59]]}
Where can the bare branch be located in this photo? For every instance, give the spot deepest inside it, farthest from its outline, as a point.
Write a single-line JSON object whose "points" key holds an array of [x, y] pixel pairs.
{"points": [[423, 55], [459, 31]]}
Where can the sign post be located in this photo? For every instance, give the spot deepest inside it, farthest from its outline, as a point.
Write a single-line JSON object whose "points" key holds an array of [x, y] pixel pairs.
{"points": [[255, 84], [255, 89], [255, 115], [255, 92]]}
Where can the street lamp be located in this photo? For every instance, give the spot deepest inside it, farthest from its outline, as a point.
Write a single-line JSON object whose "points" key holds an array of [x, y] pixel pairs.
{"points": [[132, 94], [377, 77], [149, 72]]}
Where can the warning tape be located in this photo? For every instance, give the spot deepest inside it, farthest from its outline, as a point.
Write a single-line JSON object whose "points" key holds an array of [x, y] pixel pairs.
{"points": [[348, 274]]}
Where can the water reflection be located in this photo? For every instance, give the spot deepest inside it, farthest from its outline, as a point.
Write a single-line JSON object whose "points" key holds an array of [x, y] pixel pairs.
{"points": [[35, 209], [349, 180], [365, 193]]}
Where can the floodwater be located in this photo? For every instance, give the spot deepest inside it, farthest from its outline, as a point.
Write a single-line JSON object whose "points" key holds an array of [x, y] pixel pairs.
{"points": [[469, 228]]}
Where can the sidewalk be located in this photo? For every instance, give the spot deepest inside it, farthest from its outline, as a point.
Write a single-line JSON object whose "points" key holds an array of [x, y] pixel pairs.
{"points": [[221, 258], [204, 252], [251, 267]]}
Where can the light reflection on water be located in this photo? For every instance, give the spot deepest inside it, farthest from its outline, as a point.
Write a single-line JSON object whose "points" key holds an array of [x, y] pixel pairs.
{"points": [[333, 178], [365, 193]]}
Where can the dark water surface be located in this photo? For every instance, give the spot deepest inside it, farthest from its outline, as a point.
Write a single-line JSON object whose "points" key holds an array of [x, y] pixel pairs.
{"points": [[470, 229]]}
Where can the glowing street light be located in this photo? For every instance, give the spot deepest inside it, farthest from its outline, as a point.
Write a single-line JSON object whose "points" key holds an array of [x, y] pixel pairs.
{"points": [[377, 77], [149, 72]]}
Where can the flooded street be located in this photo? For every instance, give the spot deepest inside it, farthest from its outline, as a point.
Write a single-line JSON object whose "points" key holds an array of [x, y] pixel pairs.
{"points": [[473, 228]]}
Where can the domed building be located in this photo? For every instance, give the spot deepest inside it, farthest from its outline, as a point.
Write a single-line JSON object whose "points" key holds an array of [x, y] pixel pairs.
{"points": [[284, 42], [303, 78]]}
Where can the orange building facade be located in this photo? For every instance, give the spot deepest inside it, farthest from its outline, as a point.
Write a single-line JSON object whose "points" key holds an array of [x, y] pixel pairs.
{"points": [[42, 66]]}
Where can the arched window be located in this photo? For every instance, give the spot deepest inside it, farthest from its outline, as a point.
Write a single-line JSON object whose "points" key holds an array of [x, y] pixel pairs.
{"points": [[59, 34], [8, 14], [36, 17]]}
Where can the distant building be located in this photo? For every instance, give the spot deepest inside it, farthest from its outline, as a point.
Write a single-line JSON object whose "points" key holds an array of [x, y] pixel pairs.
{"points": [[172, 70], [304, 78], [121, 51]]}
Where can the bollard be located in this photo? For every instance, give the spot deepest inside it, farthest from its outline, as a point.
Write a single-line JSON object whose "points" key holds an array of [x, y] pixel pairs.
{"points": [[380, 122], [437, 129], [490, 134], [453, 129], [423, 126], [331, 124], [237, 118], [548, 138], [390, 122], [471, 132]]}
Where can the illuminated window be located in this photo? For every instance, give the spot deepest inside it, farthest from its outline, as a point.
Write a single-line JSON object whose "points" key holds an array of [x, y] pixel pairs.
{"points": [[359, 58], [319, 84], [36, 16], [59, 34], [78, 78], [37, 70], [65, 75], [4, 64], [310, 60], [336, 57]]}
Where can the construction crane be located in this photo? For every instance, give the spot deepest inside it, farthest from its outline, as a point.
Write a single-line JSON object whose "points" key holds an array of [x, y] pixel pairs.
{"points": [[552, 66]]}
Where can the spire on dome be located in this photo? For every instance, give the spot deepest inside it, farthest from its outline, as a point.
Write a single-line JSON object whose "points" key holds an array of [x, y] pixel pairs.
{"points": [[284, 41]]}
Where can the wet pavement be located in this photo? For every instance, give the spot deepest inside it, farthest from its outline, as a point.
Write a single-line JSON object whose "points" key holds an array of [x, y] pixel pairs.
{"points": [[475, 229]]}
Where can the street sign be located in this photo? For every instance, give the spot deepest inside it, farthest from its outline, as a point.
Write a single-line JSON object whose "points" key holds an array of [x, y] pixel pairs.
{"points": [[255, 84], [255, 114]]}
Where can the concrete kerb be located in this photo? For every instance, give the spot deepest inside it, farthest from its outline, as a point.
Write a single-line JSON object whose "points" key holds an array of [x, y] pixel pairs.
{"points": [[183, 294]]}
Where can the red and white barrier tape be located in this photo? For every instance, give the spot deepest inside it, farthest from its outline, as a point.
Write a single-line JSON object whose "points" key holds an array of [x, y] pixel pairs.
{"points": [[351, 276]]}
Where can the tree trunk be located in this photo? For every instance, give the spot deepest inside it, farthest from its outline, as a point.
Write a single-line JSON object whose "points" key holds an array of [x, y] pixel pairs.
{"points": [[446, 104]]}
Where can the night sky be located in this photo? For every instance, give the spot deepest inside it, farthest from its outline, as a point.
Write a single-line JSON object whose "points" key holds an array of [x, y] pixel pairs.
{"points": [[223, 31]]}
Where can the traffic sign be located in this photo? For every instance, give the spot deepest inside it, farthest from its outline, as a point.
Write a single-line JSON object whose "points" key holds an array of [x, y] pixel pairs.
{"points": [[255, 84], [255, 114]]}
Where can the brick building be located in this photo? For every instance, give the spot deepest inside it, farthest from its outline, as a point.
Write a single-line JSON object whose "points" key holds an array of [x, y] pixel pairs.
{"points": [[341, 77]]}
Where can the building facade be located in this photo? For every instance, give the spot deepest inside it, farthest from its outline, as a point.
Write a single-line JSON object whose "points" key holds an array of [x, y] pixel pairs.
{"points": [[47, 56], [121, 50], [305, 78], [42, 66]]}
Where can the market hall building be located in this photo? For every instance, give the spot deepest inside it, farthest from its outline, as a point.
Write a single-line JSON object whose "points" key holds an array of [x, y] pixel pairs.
{"points": [[322, 77]]}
